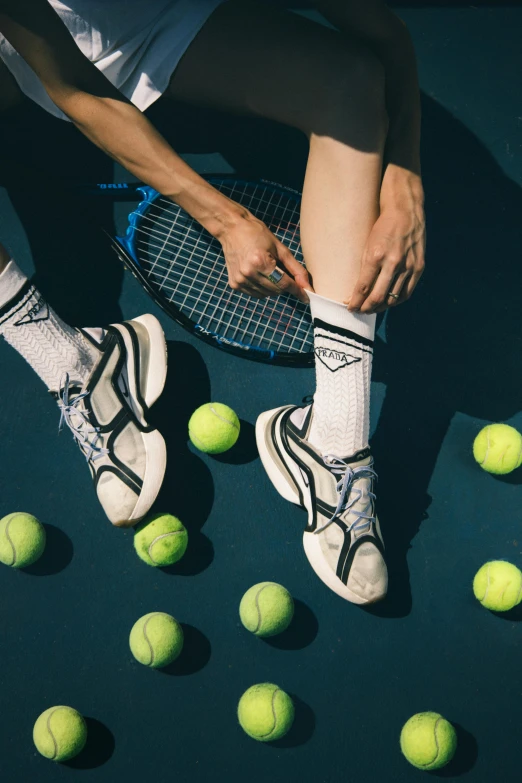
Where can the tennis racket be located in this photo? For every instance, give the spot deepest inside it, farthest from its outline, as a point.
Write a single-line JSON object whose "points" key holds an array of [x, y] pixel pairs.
{"points": [[183, 269]]}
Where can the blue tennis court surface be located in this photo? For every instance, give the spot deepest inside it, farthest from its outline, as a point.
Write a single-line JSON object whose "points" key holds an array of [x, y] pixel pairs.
{"points": [[445, 364]]}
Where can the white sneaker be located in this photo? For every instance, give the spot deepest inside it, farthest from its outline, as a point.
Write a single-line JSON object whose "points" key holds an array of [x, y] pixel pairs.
{"points": [[342, 539], [108, 416]]}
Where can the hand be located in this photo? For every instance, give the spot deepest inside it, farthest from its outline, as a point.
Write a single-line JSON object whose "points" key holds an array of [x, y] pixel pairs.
{"points": [[393, 260], [252, 252]]}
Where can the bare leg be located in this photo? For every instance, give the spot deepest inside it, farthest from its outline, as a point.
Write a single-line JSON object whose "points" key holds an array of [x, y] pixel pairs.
{"points": [[253, 59]]}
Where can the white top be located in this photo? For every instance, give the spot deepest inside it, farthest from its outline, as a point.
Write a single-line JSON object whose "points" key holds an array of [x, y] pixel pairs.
{"points": [[136, 44]]}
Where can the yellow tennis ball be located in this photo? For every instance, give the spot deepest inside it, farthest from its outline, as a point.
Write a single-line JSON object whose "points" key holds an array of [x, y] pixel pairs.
{"points": [[160, 540], [213, 428], [156, 639], [498, 585], [22, 539], [266, 609], [60, 733], [265, 712], [498, 448], [428, 740]]}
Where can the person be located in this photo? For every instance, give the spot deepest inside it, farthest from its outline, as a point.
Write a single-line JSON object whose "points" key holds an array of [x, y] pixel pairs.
{"points": [[353, 91]]}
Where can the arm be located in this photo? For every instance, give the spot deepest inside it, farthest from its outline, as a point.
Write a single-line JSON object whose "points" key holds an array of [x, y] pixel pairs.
{"points": [[103, 114], [109, 120], [402, 195]]}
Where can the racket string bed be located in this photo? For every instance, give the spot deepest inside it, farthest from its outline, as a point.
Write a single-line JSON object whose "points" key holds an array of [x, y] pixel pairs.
{"points": [[186, 265]]}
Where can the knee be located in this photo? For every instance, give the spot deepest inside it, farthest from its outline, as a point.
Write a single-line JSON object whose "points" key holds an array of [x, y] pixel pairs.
{"points": [[350, 98]]}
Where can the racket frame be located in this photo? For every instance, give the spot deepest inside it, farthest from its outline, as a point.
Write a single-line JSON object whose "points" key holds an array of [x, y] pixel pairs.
{"points": [[124, 247]]}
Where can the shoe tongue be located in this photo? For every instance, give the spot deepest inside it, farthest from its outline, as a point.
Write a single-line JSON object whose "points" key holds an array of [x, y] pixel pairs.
{"points": [[74, 390], [353, 462], [97, 333]]}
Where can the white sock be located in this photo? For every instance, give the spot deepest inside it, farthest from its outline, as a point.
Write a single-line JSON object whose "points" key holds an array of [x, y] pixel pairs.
{"points": [[51, 347], [343, 347]]}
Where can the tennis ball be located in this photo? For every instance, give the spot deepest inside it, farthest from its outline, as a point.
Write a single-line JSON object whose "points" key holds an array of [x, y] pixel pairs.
{"points": [[428, 740], [60, 733], [265, 712], [498, 448], [213, 428], [161, 540], [266, 609], [498, 585], [22, 539], [156, 639]]}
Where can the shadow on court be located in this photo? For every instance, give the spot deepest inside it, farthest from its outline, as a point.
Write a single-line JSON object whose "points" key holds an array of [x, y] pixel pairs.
{"points": [[302, 728], [465, 756], [188, 488], [76, 269], [194, 656], [57, 554], [455, 347], [300, 633], [99, 748]]}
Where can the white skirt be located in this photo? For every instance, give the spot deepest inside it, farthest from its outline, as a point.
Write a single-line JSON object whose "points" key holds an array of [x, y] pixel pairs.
{"points": [[136, 44]]}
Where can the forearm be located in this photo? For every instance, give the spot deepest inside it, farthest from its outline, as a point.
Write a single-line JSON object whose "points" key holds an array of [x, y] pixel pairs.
{"points": [[125, 134], [105, 116]]}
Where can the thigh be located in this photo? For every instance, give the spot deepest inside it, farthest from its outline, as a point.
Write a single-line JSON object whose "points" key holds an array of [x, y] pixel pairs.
{"points": [[256, 59]]}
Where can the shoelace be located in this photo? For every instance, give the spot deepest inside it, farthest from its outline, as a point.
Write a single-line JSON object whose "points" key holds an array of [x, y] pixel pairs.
{"points": [[86, 436], [345, 488]]}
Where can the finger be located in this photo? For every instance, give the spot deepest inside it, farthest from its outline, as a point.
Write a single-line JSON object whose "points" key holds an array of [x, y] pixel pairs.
{"points": [[286, 285], [294, 268], [364, 285], [410, 286], [378, 296], [249, 287], [295, 280], [395, 293], [254, 291]]}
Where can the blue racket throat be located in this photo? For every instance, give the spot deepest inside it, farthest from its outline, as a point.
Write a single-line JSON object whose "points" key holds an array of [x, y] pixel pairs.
{"points": [[184, 270], [128, 241]]}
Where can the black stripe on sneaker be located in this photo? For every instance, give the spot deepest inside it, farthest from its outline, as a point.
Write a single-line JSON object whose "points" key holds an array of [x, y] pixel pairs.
{"points": [[295, 434], [325, 509], [112, 340], [285, 430], [119, 464], [276, 421], [349, 551], [137, 367], [331, 329], [17, 302], [122, 475]]}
